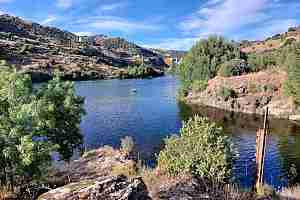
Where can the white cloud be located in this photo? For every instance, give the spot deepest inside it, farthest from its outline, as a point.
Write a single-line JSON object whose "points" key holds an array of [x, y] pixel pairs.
{"points": [[270, 28], [213, 2], [120, 24], [227, 15], [49, 20], [110, 7], [5, 1], [64, 3], [84, 33], [174, 43]]}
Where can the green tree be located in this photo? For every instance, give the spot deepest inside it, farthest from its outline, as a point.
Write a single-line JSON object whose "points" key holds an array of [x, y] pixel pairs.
{"points": [[201, 149], [34, 123], [203, 61]]}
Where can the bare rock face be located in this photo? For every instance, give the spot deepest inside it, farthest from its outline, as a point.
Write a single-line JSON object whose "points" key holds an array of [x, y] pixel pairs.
{"points": [[109, 188]]}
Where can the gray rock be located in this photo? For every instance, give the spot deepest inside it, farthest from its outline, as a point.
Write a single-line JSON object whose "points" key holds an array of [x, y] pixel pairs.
{"points": [[109, 188]]}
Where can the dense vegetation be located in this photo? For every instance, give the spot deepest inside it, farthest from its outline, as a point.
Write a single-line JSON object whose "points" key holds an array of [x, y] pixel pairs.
{"points": [[217, 56], [201, 149], [34, 123], [141, 71], [292, 85], [204, 60]]}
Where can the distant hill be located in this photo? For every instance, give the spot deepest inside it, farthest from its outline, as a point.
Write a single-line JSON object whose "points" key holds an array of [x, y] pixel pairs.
{"points": [[272, 43], [41, 49], [27, 29]]}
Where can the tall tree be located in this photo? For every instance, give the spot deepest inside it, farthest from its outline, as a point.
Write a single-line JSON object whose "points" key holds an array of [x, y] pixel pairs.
{"points": [[205, 58], [34, 124]]}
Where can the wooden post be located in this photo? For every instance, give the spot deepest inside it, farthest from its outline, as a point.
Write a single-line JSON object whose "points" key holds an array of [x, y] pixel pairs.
{"points": [[260, 151]]}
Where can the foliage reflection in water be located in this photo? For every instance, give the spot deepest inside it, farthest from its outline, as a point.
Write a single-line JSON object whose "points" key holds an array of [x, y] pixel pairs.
{"points": [[152, 113]]}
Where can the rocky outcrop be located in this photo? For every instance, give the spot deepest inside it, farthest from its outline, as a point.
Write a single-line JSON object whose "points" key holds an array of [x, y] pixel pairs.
{"points": [[108, 188], [252, 94], [90, 177], [91, 166]]}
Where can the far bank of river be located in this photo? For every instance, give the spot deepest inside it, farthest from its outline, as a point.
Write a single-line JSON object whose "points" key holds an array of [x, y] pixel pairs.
{"points": [[151, 113]]}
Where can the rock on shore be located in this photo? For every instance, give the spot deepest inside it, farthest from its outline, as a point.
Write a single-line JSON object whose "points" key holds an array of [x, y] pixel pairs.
{"points": [[108, 188]]}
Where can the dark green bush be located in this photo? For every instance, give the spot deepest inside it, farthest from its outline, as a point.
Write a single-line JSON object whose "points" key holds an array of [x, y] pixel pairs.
{"points": [[203, 61], [138, 71], [262, 61], [199, 86], [235, 67], [201, 149], [292, 85], [226, 93]]}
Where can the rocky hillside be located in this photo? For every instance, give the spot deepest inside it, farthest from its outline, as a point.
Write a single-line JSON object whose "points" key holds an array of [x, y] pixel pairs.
{"points": [[250, 94], [40, 50], [272, 43]]}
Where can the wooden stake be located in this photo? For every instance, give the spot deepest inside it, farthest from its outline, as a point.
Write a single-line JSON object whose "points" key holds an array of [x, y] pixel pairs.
{"points": [[261, 151]]}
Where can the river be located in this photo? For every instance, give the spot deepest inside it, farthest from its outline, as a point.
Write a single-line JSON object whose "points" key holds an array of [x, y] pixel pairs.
{"points": [[147, 111]]}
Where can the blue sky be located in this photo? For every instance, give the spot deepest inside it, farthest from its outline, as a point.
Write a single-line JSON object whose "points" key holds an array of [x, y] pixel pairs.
{"points": [[171, 24]]}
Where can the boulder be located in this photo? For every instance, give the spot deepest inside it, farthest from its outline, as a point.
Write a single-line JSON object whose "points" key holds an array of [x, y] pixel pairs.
{"points": [[109, 188]]}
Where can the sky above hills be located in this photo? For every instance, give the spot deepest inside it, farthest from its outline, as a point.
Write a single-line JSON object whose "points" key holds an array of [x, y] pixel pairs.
{"points": [[171, 24]]}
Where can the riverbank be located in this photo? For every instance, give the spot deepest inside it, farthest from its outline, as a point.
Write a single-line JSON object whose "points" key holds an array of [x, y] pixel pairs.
{"points": [[250, 94], [106, 173]]}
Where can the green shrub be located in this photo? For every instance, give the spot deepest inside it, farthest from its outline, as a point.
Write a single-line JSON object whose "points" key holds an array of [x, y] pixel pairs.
{"points": [[292, 85], [268, 88], [141, 71], [262, 61], [199, 86], [226, 93], [183, 90], [235, 67], [127, 145], [201, 149]]}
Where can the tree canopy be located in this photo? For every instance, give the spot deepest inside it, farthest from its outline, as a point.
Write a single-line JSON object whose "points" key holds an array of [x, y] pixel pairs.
{"points": [[34, 123], [205, 58]]}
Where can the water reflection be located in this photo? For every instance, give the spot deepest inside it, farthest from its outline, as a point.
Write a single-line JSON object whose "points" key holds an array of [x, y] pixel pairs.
{"points": [[152, 113], [283, 144]]}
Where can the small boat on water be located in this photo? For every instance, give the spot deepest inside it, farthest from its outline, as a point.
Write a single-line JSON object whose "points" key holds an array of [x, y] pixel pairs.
{"points": [[133, 90]]}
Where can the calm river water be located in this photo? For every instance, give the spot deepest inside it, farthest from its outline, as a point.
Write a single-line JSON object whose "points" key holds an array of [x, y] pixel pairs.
{"points": [[152, 113]]}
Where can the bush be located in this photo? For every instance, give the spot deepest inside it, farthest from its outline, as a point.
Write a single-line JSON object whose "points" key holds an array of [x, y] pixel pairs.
{"points": [[226, 93], [292, 85], [201, 149], [199, 86], [203, 61], [183, 90], [141, 71], [235, 67], [259, 62], [127, 145]]}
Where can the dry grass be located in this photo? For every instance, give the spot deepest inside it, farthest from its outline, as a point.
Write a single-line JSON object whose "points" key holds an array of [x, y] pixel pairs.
{"points": [[130, 170]]}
